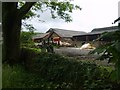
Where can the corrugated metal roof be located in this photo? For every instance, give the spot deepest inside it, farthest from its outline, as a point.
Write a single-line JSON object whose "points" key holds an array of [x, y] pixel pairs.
{"points": [[101, 30], [65, 33], [105, 29]]}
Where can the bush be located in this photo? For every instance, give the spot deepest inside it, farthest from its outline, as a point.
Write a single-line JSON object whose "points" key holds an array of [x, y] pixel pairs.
{"points": [[110, 52], [26, 39], [69, 72], [54, 72]]}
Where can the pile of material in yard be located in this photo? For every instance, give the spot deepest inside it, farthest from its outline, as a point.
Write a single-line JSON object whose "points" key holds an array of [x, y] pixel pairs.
{"points": [[87, 46]]}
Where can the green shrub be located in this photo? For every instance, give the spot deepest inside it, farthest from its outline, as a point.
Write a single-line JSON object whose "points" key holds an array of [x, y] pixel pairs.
{"points": [[75, 75], [54, 72], [110, 52], [26, 39]]}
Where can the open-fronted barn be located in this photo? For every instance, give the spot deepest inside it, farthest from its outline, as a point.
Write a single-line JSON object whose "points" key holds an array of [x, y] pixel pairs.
{"points": [[94, 34]]}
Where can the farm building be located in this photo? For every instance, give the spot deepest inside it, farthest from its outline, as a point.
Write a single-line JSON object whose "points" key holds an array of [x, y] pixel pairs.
{"points": [[58, 36], [94, 34], [73, 38], [63, 37], [39, 39]]}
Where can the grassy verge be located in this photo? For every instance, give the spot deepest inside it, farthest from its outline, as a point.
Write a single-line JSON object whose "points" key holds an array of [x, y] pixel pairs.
{"points": [[17, 77]]}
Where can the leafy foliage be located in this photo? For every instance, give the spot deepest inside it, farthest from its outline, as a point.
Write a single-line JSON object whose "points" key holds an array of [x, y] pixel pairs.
{"points": [[74, 75], [28, 26], [79, 75], [51, 71], [111, 52], [61, 9], [26, 39], [58, 9]]}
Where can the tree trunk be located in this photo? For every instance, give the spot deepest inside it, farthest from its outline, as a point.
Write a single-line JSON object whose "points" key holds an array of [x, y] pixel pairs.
{"points": [[11, 33], [11, 26]]}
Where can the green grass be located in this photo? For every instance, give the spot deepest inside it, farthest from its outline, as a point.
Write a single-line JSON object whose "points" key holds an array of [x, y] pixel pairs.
{"points": [[17, 77], [108, 68], [36, 49]]}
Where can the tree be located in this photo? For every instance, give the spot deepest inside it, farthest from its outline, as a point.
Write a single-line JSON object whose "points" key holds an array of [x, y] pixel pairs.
{"points": [[13, 13]]}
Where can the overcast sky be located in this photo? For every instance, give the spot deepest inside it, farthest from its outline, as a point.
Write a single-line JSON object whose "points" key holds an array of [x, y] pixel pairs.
{"points": [[94, 14]]}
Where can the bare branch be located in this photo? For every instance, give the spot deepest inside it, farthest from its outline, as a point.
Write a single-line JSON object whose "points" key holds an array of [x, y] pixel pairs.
{"points": [[117, 20], [25, 8]]}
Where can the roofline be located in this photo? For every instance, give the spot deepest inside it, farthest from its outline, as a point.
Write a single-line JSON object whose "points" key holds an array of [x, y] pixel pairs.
{"points": [[87, 34], [42, 37], [105, 27], [55, 33], [64, 30]]}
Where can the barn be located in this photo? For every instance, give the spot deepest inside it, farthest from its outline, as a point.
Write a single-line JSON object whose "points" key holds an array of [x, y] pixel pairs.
{"points": [[57, 36], [62, 36], [94, 34]]}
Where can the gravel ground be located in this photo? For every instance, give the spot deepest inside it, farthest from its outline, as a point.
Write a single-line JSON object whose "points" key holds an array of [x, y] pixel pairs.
{"points": [[71, 51], [81, 55]]}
